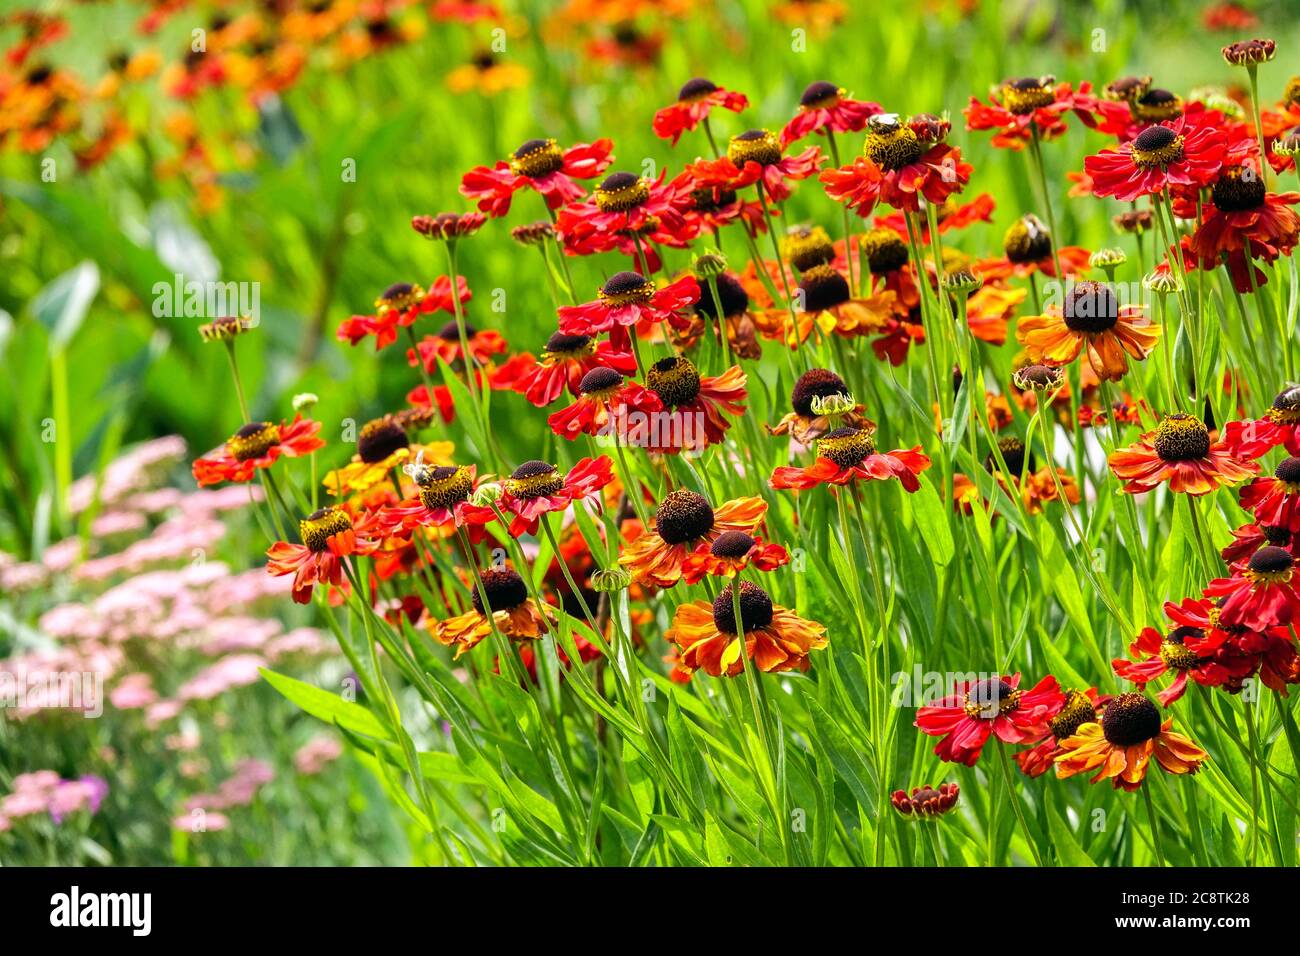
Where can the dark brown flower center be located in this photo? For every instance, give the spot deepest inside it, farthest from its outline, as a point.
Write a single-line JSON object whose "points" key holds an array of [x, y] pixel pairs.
{"points": [[505, 590], [1090, 307], [846, 446], [451, 332], [709, 199], [890, 144], [731, 294], [1276, 535], [1157, 105], [755, 146], [627, 288], [1130, 719], [253, 440], [317, 528], [1014, 454], [1181, 437], [380, 438], [695, 89], [683, 516], [599, 381], [1238, 188], [1028, 240], [443, 486], [534, 479], [990, 697], [565, 346], [621, 192], [815, 383], [885, 249], [1157, 146], [808, 246], [755, 609], [537, 158], [1077, 711], [1026, 94], [820, 95], [675, 380], [732, 544], [1271, 560], [823, 288]]}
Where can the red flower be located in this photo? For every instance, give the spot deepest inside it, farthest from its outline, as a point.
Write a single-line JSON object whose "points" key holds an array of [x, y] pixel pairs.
{"points": [[1275, 501], [925, 801], [1076, 708], [257, 445], [327, 537], [539, 164], [1156, 654], [729, 554], [1180, 452], [536, 488], [446, 346], [1020, 104], [1175, 153], [900, 161], [441, 502], [991, 707], [710, 208], [1280, 426], [629, 299], [400, 305], [1261, 595], [1241, 650], [604, 401], [695, 408], [1242, 213], [757, 156], [849, 454], [695, 101], [625, 206], [1249, 538], [565, 360], [825, 106]]}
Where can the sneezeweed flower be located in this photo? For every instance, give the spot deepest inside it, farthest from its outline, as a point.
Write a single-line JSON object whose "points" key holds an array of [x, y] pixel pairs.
{"points": [[1249, 53], [257, 445], [516, 615], [1243, 651], [805, 424], [756, 157], [442, 502], [604, 398], [806, 247], [626, 213], [448, 226], [1249, 538], [533, 233], [825, 301], [537, 488], [697, 406], [383, 444], [1279, 426], [630, 299], [827, 107], [1037, 487], [1260, 595], [1122, 744], [1171, 154], [1092, 319], [683, 522], [446, 345], [775, 639], [1076, 708], [398, 307], [1025, 105], [1243, 213], [1154, 655], [487, 74], [737, 319], [697, 98], [1275, 500], [327, 538], [564, 360], [981, 709], [849, 454], [1179, 451], [729, 554], [1039, 378], [224, 328], [901, 161], [541, 165], [1134, 222], [925, 803], [1027, 249]]}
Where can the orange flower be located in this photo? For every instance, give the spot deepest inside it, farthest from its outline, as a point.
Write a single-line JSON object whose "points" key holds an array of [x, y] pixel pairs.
{"points": [[257, 445], [684, 521], [731, 553], [776, 639], [514, 612], [1092, 319], [327, 538], [803, 424], [1121, 745], [1180, 452]]}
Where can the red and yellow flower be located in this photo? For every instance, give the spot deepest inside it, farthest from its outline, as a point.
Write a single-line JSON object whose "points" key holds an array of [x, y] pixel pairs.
{"points": [[697, 98], [1179, 451], [327, 538], [1122, 744], [515, 615], [541, 165], [729, 554], [1092, 319], [992, 707], [848, 454], [565, 359], [537, 488], [257, 445], [399, 306]]}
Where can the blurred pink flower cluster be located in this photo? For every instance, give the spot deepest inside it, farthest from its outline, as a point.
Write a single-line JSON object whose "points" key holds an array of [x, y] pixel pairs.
{"points": [[44, 791]]}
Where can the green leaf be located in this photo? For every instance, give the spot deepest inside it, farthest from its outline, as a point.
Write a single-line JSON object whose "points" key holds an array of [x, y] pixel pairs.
{"points": [[62, 305], [327, 706]]}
